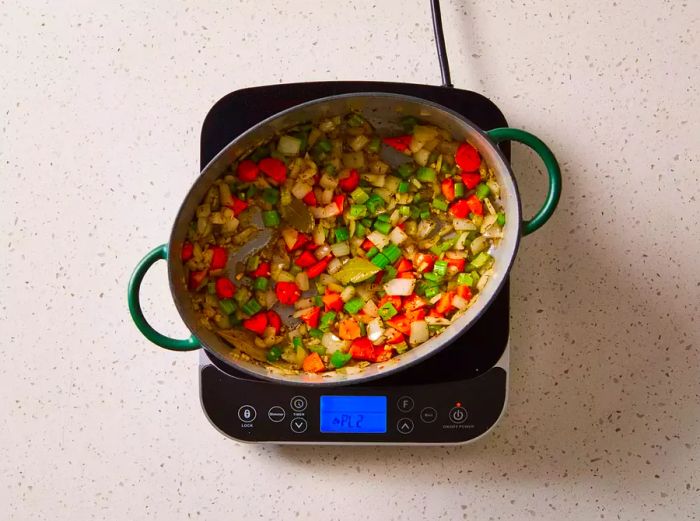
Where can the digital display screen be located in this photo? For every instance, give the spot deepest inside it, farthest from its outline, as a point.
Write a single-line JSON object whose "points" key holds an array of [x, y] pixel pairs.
{"points": [[353, 414]]}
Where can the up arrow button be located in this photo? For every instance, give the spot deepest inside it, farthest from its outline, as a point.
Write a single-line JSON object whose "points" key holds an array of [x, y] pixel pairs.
{"points": [[404, 426]]}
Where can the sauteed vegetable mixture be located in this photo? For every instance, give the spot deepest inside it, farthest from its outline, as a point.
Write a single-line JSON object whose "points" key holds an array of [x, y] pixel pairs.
{"points": [[365, 260]]}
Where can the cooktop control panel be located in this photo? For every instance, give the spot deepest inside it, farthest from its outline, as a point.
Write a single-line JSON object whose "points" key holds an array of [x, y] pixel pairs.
{"points": [[256, 411]]}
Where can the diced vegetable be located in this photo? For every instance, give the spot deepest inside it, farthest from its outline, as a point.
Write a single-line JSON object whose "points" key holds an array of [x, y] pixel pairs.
{"points": [[401, 287]]}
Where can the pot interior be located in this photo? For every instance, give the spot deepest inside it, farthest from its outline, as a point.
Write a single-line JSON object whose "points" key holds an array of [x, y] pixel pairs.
{"points": [[383, 111]]}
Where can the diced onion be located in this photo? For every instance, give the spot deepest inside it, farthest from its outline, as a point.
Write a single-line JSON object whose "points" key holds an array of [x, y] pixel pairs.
{"points": [[332, 343], [437, 321], [322, 251], [400, 287], [421, 157], [285, 276], [478, 245], [375, 331], [300, 190], [425, 228], [459, 302], [319, 235], [419, 332], [482, 282], [354, 160], [358, 142], [270, 298], [397, 235], [303, 303], [347, 293], [370, 308], [289, 146], [325, 212], [334, 266], [302, 281], [378, 239], [436, 298], [340, 249], [328, 182], [290, 236], [326, 196], [326, 279], [463, 225]]}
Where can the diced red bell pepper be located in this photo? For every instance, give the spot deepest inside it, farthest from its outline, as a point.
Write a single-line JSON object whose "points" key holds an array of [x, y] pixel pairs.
{"points": [[400, 143], [467, 158], [187, 251], [414, 302], [257, 323], [367, 245], [448, 189], [382, 354], [393, 336], [218, 258], [362, 349], [457, 263], [237, 205], [378, 277], [332, 301], [263, 270], [459, 209], [471, 179], [312, 316], [339, 201], [196, 279], [475, 205], [313, 363], [350, 181], [306, 259], [224, 288], [404, 265], [273, 168], [319, 267], [424, 261], [395, 300], [302, 239], [274, 320], [406, 275], [287, 292], [247, 171], [465, 292], [310, 198], [401, 323], [444, 305]]}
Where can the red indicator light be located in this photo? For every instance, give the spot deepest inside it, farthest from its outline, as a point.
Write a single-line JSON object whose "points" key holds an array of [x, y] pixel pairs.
{"points": [[458, 404]]}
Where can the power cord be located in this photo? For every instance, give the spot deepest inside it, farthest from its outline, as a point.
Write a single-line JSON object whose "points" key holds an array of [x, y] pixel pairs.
{"points": [[440, 43]]}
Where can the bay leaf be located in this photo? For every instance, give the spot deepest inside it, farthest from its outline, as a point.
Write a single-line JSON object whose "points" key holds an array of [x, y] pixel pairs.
{"points": [[356, 270], [245, 341], [297, 215]]}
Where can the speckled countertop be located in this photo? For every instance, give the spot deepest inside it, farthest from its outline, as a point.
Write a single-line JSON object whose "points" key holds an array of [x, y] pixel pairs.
{"points": [[100, 110]]}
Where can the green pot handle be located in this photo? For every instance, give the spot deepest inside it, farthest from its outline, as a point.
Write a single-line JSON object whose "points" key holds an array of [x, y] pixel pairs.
{"points": [[174, 344], [513, 134]]}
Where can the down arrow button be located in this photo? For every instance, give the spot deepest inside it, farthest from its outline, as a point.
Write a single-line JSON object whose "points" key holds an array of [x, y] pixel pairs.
{"points": [[299, 425]]}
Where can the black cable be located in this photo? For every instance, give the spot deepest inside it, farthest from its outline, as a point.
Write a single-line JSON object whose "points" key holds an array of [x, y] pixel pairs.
{"points": [[440, 43]]}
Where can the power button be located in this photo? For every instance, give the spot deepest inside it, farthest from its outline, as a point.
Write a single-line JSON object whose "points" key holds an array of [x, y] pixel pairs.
{"points": [[458, 414]]}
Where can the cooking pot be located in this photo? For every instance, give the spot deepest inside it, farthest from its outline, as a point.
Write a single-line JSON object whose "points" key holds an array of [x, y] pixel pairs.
{"points": [[383, 111]]}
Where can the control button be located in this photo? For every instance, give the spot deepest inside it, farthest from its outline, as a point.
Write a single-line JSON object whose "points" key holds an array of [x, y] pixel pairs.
{"points": [[247, 413], [428, 415], [276, 414], [299, 425], [405, 404], [298, 403], [458, 414], [404, 426]]}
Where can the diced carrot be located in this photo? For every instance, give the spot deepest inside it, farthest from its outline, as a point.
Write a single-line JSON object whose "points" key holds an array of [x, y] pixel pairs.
{"points": [[348, 329], [404, 265], [332, 301], [457, 263], [401, 323], [313, 363], [394, 299], [393, 336], [444, 305], [312, 316], [414, 302], [465, 292]]}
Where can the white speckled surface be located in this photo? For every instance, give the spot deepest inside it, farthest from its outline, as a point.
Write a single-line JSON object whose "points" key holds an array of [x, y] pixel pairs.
{"points": [[100, 107]]}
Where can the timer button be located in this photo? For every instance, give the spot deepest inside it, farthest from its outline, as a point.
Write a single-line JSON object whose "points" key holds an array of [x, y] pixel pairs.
{"points": [[276, 414], [247, 413], [299, 403], [404, 426], [458, 414], [405, 404], [428, 415], [298, 425]]}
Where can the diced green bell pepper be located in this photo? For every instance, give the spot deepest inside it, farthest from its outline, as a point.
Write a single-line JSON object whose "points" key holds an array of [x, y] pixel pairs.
{"points": [[339, 359], [354, 305]]}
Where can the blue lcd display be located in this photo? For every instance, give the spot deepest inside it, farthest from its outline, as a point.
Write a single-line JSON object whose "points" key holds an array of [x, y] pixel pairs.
{"points": [[353, 414]]}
